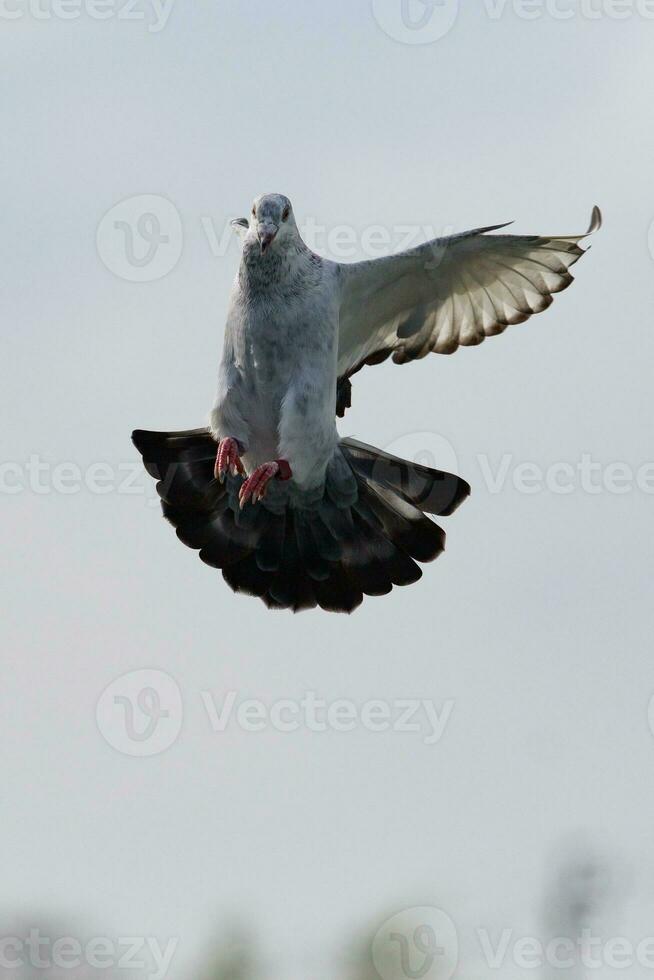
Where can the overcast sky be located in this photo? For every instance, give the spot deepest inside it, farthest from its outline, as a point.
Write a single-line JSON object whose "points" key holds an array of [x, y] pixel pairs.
{"points": [[530, 638]]}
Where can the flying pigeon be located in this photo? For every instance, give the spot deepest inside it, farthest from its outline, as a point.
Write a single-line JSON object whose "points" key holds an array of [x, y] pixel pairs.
{"points": [[269, 493]]}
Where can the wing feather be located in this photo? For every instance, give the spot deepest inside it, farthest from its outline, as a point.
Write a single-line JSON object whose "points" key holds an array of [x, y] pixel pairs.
{"points": [[450, 293]]}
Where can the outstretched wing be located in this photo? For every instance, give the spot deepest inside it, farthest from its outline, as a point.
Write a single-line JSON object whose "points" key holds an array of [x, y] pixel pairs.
{"points": [[448, 293]]}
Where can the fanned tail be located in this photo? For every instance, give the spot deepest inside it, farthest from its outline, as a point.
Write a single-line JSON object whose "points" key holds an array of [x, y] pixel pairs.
{"points": [[365, 534]]}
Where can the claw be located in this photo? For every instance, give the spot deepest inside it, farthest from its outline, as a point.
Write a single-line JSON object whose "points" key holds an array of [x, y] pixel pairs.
{"points": [[228, 460], [256, 485]]}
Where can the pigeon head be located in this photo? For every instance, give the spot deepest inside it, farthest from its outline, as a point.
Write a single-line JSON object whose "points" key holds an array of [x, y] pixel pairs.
{"points": [[272, 220]]}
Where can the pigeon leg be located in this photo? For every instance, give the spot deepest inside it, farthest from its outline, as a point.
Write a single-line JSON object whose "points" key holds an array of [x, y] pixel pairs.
{"points": [[254, 488], [228, 459]]}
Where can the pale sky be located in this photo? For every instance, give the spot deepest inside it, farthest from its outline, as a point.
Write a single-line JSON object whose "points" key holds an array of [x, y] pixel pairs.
{"points": [[535, 626]]}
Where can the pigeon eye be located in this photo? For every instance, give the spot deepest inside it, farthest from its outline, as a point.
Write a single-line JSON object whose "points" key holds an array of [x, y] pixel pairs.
{"points": [[286, 214], [254, 212]]}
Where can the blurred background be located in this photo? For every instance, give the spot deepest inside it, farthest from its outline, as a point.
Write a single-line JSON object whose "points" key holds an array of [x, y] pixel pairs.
{"points": [[133, 132]]}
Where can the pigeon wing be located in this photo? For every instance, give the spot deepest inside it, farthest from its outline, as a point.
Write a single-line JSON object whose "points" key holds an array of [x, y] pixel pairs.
{"points": [[448, 293]]}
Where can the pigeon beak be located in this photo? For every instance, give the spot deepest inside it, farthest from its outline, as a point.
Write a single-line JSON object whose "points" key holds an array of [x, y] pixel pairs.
{"points": [[265, 238]]}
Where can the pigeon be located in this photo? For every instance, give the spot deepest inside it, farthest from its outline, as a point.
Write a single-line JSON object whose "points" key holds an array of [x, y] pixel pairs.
{"points": [[268, 492]]}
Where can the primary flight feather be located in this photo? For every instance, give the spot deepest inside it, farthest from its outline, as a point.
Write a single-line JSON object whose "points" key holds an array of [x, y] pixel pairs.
{"points": [[269, 493]]}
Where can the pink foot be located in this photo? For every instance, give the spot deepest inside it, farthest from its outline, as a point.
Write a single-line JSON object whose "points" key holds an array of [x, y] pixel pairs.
{"points": [[228, 460], [256, 484]]}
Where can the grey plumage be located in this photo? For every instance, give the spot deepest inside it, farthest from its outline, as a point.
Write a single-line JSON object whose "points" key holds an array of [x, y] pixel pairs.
{"points": [[352, 519]]}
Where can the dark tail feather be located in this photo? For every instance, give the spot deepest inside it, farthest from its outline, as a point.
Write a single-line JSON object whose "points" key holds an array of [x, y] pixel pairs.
{"points": [[331, 554], [431, 491], [291, 587]]}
